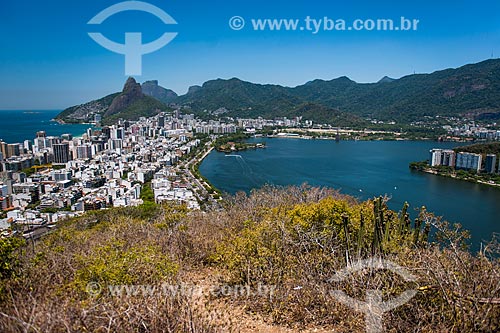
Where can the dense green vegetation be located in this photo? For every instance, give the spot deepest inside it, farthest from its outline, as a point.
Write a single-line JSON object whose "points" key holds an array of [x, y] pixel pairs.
{"points": [[466, 89], [327, 115], [481, 148], [99, 105], [147, 193], [145, 107], [419, 166], [10, 253], [294, 239], [29, 171], [211, 189], [471, 89], [233, 142]]}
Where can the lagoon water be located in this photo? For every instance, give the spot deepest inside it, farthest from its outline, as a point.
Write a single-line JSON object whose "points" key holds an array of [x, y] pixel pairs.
{"points": [[18, 125], [364, 169]]}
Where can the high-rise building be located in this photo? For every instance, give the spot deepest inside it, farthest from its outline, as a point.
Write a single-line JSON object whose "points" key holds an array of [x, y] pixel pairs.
{"points": [[490, 163], [84, 152], [115, 144], [4, 190], [5, 202], [107, 132], [161, 121], [28, 145], [469, 161], [118, 133], [13, 150], [61, 175], [61, 153], [444, 157], [448, 158], [435, 157], [41, 144], [3, 149], [53, 140]]}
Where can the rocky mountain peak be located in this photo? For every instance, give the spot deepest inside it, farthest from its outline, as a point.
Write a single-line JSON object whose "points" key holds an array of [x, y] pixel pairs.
{"points": [[194, 89], [132, 92], [132, 87], [151, 88]]}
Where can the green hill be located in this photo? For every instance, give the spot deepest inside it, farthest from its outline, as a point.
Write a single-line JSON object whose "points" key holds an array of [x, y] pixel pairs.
{"points": [[472, 90], [85, 112], [242, 98], [130, 104], [144, 107], [481, 148]]}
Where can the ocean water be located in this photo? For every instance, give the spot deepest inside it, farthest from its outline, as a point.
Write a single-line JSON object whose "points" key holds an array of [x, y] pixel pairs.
{"points": [[364, 169], [17, 126]]}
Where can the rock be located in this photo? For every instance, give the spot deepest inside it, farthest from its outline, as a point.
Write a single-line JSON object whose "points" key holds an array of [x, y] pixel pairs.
{"points": [[132, 92], [151, 88]]}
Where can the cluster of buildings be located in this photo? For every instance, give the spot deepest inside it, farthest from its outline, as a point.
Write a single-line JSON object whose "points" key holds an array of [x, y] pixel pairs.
{"points": [[472, 130], [261, 123], [51, 178], [463, 160], [249, 125]]}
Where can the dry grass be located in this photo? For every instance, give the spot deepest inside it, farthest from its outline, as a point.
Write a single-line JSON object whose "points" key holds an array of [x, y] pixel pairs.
{"points": [[256, 239]]}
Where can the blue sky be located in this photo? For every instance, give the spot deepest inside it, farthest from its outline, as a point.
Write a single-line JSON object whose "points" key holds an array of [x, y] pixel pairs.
{"points": [[47, 60]]}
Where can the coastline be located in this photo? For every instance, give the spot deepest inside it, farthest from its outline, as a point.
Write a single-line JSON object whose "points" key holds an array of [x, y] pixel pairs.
{"points": [[196, 173], [206, 154], [343, 134], [62, 122], [453, 176]]}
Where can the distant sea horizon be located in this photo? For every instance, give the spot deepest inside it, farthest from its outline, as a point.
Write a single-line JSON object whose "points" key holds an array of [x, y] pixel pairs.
{"points": [[19, 125]]}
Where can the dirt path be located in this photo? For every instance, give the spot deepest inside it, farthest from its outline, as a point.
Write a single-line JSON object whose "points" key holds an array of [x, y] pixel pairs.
{"points": [[227, 315]]}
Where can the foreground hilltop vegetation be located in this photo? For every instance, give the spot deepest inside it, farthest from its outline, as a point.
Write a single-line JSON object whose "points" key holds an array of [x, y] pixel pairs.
{"points": [[278, 248]]}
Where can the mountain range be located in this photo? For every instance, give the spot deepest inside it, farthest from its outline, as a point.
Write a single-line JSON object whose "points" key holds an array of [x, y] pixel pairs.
{"points": [[469, 91]]}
